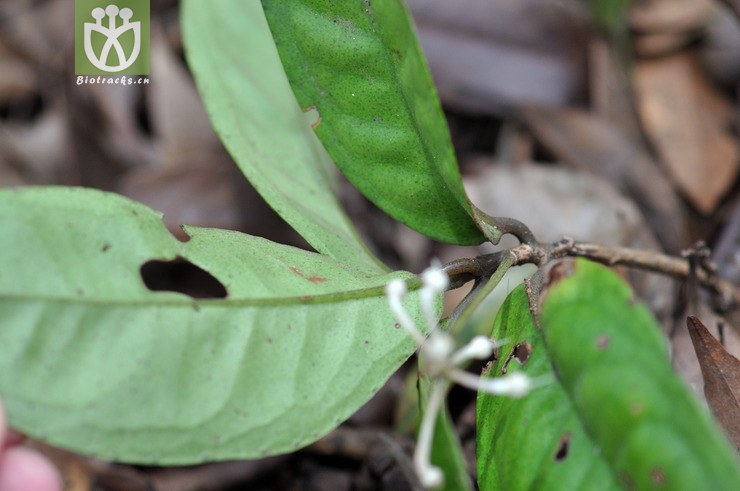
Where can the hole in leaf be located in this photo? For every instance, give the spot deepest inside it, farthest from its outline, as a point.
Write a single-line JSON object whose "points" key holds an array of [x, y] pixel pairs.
{"points": [[563, 447], [181, 276], [520, 353], [312, 116]]}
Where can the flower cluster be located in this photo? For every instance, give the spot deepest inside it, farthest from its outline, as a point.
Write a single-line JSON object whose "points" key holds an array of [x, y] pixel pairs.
{"points": [[442, 362]]}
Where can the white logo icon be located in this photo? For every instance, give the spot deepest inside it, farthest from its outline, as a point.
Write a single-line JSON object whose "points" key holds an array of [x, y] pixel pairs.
{"points": [[112, 33]]}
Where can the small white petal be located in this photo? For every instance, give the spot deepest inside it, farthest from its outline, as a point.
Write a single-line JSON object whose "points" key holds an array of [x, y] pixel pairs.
{"points": [[479, 348], [395, 291], [434, 278], [429, 475], [438, 347], [434, 281], [516, 384], [395, 288], [426, 298]]}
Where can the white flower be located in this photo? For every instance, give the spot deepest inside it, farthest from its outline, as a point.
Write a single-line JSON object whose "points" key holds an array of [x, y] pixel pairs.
{"points": [[441, 362]]}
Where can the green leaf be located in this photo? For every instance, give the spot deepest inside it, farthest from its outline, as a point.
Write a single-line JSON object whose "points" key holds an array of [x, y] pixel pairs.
{"points": [[91, 360], [616, 415], [238, 72], [359, 65], [538, 441], [612, 361]]}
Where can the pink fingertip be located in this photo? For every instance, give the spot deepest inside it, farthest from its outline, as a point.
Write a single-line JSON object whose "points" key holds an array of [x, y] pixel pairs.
{"points": [[24, 469]]}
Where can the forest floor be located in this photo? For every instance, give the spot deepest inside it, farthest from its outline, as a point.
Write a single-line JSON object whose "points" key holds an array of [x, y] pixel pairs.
{"points": [[633, 143]]}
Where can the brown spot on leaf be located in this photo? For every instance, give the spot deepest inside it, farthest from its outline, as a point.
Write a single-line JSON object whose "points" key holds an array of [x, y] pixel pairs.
{"points": [[269, 340], [559, 271], [636, 408], [312, 278], [657, 476], [397, 325], [313, 112], [627, 480], [561, 453], [602, 341], [105, 248]]}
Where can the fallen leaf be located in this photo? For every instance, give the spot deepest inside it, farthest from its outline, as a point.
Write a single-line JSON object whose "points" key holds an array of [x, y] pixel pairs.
{"points": [[721, 47], [669, 15], [486, 55], [687, 120], [721, 373], [591, 143]]}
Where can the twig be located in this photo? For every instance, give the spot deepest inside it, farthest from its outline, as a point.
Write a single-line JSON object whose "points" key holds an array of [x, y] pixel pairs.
{"points": [[677, 267], [495, 227], [538, 253]]}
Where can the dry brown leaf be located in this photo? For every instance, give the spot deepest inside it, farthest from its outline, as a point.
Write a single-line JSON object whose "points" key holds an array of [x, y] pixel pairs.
{"points": [[662, 43], [669, 15], [172, 191], [721, 373], [17, 79], [486, 55], [686, 118], [38, 150], [178, 117], [590, 143], [610, 90]]}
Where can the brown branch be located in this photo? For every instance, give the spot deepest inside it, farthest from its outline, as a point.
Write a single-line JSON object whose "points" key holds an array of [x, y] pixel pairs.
{"points": [[677, 267], [463, 270]]}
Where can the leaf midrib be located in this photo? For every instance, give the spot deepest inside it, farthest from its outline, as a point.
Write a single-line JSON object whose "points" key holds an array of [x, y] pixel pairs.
{"points": [[308, 299]]}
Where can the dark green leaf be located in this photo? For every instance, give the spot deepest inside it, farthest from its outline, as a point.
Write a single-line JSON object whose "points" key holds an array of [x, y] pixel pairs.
{"points": [[612, 360], [359, 65], [616, 415], [537, 442]]}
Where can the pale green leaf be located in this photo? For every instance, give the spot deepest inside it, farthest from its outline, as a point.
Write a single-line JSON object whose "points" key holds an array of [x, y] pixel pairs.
{"points": [[91, 360]]}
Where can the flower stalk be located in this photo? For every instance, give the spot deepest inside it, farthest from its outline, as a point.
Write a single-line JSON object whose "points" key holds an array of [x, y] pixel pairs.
{"points": [[442, 362]]}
